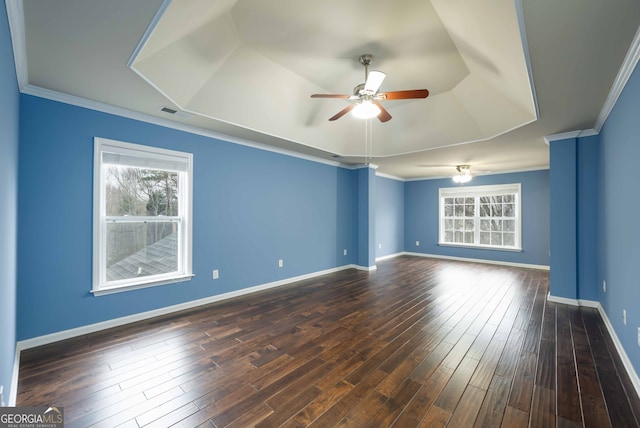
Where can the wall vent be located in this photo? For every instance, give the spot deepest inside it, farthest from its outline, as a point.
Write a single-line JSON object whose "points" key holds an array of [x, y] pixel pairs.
{"points": [[174, 112], [168, 110]]}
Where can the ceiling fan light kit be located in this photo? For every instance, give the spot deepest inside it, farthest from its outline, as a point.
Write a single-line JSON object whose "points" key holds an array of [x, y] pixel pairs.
{"points": [[463, 175], [367, 99], [365, 110]]}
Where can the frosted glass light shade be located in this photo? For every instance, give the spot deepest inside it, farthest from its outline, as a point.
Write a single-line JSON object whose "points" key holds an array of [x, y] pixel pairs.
{"points": [[366, 110]]}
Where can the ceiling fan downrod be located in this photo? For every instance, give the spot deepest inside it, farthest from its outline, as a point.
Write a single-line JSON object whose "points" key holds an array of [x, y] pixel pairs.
{"points": [[365, 60]]}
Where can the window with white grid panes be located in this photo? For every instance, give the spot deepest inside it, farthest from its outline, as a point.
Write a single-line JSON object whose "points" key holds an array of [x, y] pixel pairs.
{"points": [[481, 216]]}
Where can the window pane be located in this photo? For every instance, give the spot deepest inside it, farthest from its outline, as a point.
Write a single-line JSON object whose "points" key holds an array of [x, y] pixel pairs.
{"points": [[459, 201], [508, 198], [448, 236], [459, 237], [509, 225], [140, 192], [448, 210], [468, 237], [468, 224], [459, 211], [485, 210], [448, 201], [448, 224], [485, 225], [485, 238], [469, 201], [485, 200], [138, 249], [459, 225], [496, 199], [508, 210], [496, 210], [496, 238], [509, 239], [469, 210], [496, 225]]}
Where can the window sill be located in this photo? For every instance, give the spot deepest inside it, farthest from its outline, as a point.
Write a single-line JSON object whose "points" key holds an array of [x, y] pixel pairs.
{"points": [[137, 286], [481, 247]]}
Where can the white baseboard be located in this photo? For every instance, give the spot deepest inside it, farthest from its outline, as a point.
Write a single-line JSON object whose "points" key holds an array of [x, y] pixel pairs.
{"points": [[623, 355], [364, 268], [616, 341], [389, 256], [563, 300], [91, 328], [573, 302], [13, 393], [490, 262]]}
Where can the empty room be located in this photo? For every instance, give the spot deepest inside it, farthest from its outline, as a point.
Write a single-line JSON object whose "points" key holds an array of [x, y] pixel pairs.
{"points": [[293, 213]]}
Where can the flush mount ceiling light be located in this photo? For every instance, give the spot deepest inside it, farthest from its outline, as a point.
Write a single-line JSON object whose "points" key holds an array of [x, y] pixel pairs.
{"points": [[463, 174]]}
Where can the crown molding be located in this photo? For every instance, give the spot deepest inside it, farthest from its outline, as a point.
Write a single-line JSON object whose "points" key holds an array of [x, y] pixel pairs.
{"points": [[147, 118], [571, 134], [511, 171], [149, 31], [15, 15], [628, 65], [527, 58], [389, 176]]}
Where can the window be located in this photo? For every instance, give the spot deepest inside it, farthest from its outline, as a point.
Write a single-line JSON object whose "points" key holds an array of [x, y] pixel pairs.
{"points": [[142, 216], [481, 216]]}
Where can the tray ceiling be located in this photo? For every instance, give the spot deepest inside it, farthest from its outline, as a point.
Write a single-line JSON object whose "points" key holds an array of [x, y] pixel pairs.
{"points": [[254, 64], [502, 74]]}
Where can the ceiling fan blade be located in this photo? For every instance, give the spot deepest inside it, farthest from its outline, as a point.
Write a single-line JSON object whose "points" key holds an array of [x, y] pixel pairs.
{"points": [[374, 80], [404, 95], [329, 96], [342, 112], [384, 115]]}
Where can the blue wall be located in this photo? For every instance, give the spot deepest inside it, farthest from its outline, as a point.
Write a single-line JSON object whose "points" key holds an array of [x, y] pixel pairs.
{"points": [[574, 237], [421, 218], [618, 227], [366, 217], [9, 99], [389, 216], [587, 217], [251, 207], [563, 278]]}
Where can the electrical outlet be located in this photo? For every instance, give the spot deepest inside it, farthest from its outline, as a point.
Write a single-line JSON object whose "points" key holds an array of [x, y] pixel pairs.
{"points": [[379, 246], [2, 386], [280, 263], [417, 243], [624, 316], [216, 274], [345, 251], [638, 336], [604, 285]]}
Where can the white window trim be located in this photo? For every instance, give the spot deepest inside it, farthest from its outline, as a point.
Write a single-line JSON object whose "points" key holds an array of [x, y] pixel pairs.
{"points": [[99, 230], [475, 191]]}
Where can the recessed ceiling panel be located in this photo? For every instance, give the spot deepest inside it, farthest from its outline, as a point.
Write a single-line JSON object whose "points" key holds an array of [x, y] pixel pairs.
{"points": [[255, 64]]}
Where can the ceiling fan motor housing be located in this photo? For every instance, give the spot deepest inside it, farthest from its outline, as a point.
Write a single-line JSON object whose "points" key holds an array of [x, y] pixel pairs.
{"points": [[367, 97]]}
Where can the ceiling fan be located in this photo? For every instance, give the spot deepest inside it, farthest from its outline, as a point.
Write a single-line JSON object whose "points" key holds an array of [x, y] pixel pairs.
{"points": [[368, 98], [462, 172]]}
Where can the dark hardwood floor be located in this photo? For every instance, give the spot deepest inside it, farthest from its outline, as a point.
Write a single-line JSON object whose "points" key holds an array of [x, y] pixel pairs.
{"points": [[420, 342]]}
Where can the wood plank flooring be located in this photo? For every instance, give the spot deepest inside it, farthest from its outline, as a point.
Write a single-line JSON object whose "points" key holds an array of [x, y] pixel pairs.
{"points": [[418, 343]]}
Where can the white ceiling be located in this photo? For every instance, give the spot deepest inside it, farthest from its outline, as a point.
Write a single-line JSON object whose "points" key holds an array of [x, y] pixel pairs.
{"points": [[502, 74]]}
